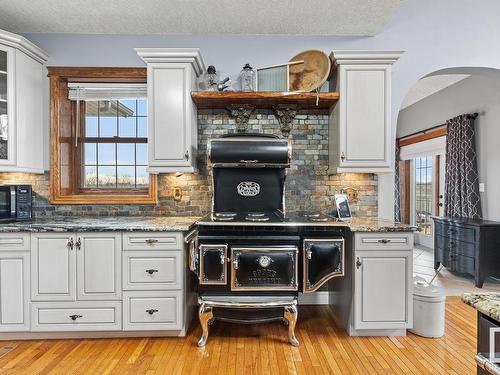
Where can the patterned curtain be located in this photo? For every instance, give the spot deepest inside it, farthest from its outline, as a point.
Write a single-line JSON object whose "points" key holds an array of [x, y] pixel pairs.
{"points": [[462, 197], [397, 189]]}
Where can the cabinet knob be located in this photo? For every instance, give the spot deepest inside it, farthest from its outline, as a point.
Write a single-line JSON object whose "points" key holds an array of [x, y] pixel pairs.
{"points": [[70, 244], [78, 244], [186, 155], [358, 263], [151, 311], [75, 317], [151, 271], [342, 156]]}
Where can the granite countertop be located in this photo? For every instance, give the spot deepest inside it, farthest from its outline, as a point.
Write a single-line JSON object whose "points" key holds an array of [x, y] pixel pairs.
{"points": [[359, 224], [486, 303], [103, 224], [164, 224]]}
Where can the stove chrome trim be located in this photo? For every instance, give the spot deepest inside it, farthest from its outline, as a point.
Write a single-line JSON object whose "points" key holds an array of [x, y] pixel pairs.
{"points": [[223, 250], [306, 288], [294, 286]]}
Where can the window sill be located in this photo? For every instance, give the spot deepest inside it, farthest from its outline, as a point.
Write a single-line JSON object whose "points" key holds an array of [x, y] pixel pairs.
{"points": [[108, 197]]}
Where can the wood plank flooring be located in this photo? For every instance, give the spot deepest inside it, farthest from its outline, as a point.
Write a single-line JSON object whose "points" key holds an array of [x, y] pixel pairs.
{"points": [[259, 349]]}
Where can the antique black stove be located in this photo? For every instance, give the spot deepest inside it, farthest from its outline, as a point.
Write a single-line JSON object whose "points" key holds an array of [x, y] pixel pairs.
{"points": [[251, 257]]}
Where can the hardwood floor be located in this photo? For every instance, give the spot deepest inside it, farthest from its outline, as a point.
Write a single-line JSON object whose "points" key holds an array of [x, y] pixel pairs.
{"points": [[259, 349]]}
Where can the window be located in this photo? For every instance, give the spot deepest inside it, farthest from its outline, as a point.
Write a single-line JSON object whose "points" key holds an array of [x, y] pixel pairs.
{"points": [[99, 147], [424, 193], [115, 144]]}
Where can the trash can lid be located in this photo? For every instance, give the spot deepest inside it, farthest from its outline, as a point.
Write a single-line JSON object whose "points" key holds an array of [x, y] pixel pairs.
{"points": [[423, 289]]}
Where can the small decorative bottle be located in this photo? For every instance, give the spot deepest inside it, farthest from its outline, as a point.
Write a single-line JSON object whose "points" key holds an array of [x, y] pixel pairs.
{"points": [[247, 77]]}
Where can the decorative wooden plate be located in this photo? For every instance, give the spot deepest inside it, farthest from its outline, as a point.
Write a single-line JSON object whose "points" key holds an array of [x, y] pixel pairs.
{"points": [[310, 75]]}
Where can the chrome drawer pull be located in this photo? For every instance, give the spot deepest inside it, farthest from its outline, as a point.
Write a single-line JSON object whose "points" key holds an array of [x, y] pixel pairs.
{"points": [[151, 241], [151, 311], [75, 317], [384, 240], [151, 271]]}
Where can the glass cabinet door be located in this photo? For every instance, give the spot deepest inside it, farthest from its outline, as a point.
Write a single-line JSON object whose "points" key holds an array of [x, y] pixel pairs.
{"points": [[4, 107]]}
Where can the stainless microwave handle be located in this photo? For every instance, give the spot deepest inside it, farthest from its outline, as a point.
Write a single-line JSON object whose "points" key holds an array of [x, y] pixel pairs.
{"points": [[12, 201]]}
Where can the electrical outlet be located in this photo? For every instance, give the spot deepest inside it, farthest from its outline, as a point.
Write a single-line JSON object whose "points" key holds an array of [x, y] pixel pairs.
{"points": [[352, 194], [177, 193]]}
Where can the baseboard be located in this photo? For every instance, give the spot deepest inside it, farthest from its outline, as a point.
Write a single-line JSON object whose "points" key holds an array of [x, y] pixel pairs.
{"points": [[88, 334], [316, 298]]}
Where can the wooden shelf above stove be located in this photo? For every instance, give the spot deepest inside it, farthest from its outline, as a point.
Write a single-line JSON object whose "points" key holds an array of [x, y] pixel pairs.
{"points": [[263, 99]]}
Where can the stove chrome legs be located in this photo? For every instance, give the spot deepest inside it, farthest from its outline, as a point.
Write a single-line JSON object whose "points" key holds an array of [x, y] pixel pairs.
{"points": [[205, 315], [291, 316]]}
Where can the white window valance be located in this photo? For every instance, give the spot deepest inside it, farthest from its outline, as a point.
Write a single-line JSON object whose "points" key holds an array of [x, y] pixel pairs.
{"points": [[106, 91]]}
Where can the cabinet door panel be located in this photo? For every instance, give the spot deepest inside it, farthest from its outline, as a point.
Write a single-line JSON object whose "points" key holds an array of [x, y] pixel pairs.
{"points": [[365, 140], [99, 266], [14, 291], [53, 265], [381, 291]]}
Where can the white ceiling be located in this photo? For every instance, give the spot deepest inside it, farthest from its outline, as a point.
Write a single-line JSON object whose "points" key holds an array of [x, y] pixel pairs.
{"points": [[296, 17], [430, 85]]}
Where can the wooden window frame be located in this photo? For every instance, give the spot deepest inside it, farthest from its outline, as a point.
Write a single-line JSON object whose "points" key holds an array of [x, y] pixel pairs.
{"points": [[62, 109]]}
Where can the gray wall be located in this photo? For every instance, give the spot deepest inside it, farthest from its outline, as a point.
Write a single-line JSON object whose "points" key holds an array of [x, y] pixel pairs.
{"points": [[478, 93], [435, 34]]}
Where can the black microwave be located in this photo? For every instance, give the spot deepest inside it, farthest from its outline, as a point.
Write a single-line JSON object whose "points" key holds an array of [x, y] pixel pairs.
{"points": [[15, 202]]}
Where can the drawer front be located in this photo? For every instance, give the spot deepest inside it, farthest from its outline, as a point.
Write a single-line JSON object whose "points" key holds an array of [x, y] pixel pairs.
{"points": [[455, 232], [152, 241], [462, 264], [76, 316], [15, 241], [153, 310], [162, 270], [383, 241], [443, 244]]}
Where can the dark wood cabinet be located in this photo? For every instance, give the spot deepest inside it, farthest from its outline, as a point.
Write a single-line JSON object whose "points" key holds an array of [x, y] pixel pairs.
{"points": [[468, 246]]}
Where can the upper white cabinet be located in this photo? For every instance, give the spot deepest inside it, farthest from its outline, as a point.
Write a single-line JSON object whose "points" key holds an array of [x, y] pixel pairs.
{"points": [[21, 104], [172, 74], [360, 124]]}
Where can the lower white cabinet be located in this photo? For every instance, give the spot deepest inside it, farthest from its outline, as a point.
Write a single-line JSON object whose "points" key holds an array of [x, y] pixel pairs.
{"points": [[76, 316], [71, 266], [159, 270], [153, 310], [14, 286], [383, 273]]}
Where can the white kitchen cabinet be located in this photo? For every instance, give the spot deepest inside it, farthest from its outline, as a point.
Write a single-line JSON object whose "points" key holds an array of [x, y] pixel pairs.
{"points": [[171, 76], [21, 104], [53, 267], [383, 273], [360, 124], [98, 266], [71, 266], [14, 283]]}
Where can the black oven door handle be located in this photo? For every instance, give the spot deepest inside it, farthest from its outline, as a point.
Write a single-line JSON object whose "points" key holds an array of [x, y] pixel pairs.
{"points": [[12, 201]]}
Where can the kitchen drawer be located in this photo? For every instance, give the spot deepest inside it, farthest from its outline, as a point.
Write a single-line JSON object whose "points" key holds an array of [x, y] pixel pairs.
{"points": [[152, 241], [383, 241], [157, 270], [455, 232], [88, 316], [152, 310], [15, 241]]}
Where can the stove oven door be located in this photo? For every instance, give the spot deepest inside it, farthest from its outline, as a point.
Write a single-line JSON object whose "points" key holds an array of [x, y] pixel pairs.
{"points": [[264, 268], [323, 260], [213, 265]]}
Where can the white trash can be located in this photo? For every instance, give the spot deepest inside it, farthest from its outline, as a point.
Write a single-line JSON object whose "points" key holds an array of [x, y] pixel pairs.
{"points": [[428, 309]]}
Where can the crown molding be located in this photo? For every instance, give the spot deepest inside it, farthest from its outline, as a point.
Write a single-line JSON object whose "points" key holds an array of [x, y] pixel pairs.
{"points": [[173, 55], [365, 57], [24, 45]]}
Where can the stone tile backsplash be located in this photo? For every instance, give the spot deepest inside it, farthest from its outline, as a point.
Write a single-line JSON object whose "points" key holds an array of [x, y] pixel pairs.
{"points": [[308, 185]]}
